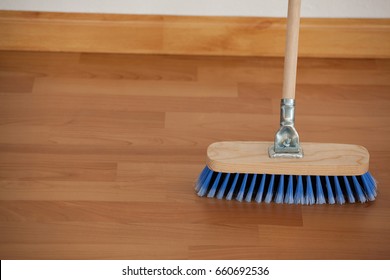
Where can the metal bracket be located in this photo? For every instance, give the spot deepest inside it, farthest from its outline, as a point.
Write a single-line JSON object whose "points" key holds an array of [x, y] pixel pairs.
{"points": [[286, 139]]}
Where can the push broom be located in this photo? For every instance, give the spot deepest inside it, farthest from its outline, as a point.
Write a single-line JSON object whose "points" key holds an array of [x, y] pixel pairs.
{"points": [[287, 171]]}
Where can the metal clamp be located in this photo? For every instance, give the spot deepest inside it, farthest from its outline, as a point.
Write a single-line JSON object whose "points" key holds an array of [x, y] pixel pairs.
{"points": [[286, 139]]}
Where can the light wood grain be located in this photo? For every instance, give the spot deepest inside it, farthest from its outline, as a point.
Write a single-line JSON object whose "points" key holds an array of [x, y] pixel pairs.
{"points": [[291, 52], [96, 164], [322, 159], [190, 35]]}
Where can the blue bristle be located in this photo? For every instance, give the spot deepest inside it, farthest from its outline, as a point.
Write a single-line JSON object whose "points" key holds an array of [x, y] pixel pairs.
{"points": [[368, 175], [299, 197], [215, 185], [205, 184], [260, 191], [248, 197], [240, 194], [339, 193], [359, 190], [366, 184], [221, 191], [369, 188], [201, 178], [351, 198], [310, 199], [373, 185], [289, 197], [280, 192], [270, 192], [370, 178], [231, 191], [329, 191], [319, 191], [352, 188], [204, 173]]}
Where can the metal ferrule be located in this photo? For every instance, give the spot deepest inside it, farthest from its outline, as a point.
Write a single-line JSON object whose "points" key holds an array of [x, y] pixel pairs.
{"points": [[286, 139], [287, 112]]}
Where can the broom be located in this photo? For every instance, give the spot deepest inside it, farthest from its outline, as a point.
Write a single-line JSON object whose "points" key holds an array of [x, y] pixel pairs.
{"points": [[283, 171]]}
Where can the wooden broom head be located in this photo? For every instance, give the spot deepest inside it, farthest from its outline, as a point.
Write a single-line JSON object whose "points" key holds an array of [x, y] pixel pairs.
{"points": [[321, 159]]}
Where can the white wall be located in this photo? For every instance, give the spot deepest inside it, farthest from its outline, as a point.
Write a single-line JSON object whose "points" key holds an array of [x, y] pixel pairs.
{"points": [[263, 8]]}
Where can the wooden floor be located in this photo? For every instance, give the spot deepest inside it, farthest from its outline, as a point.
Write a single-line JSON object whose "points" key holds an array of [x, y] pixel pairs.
{"points": [[99, 155]]}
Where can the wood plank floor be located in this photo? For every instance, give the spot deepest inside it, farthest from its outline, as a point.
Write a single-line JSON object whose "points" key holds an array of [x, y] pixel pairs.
{"points": [[99, 155]]}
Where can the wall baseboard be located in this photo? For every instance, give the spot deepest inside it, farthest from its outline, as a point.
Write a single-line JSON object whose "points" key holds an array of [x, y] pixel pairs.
{"points": [[189, 35]]}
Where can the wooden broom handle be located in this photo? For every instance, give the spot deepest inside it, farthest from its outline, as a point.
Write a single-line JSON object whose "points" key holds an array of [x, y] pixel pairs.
{"points": [[291, 53]]}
